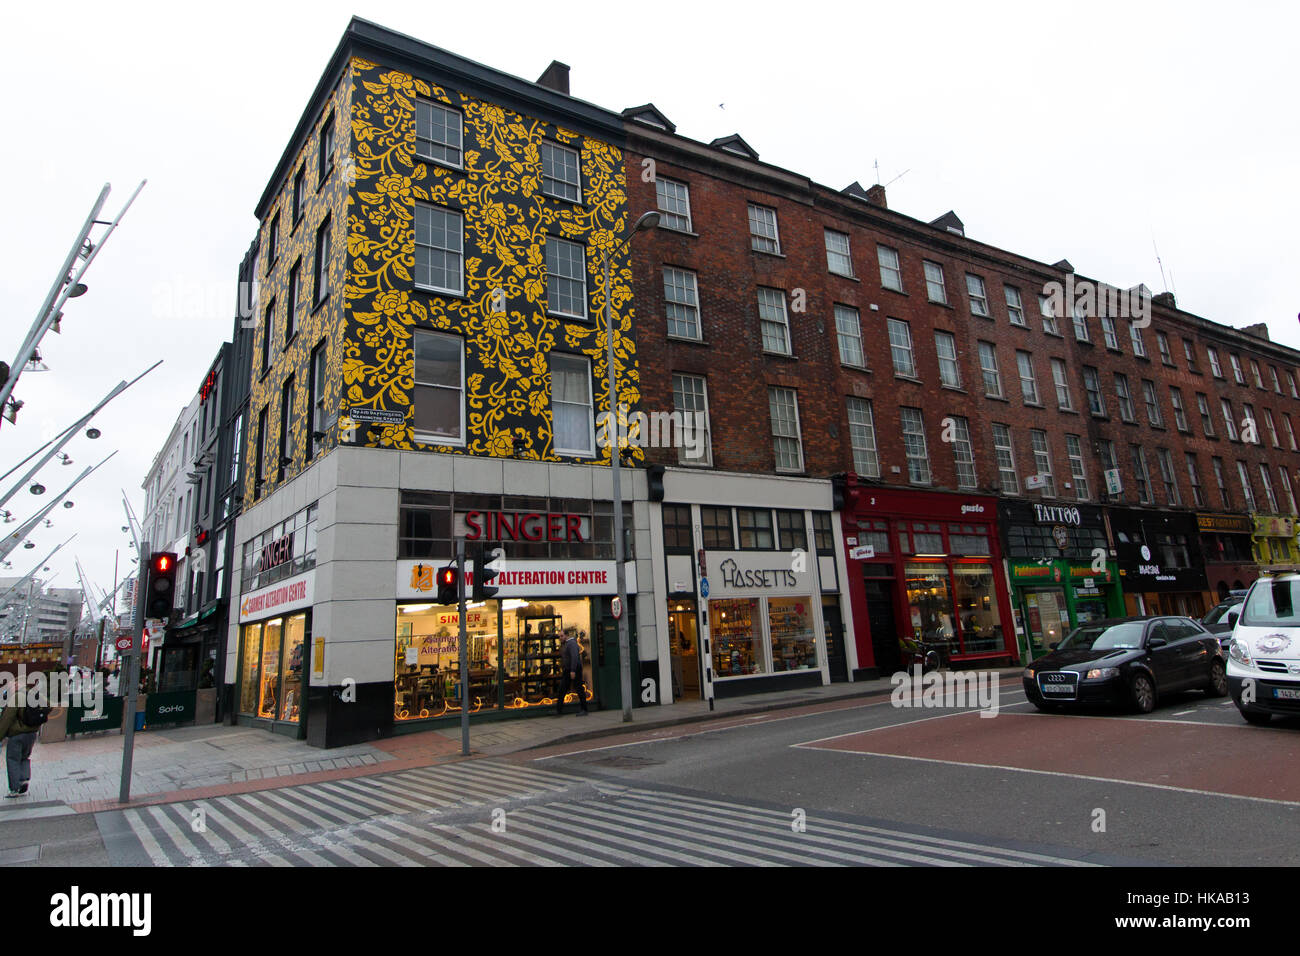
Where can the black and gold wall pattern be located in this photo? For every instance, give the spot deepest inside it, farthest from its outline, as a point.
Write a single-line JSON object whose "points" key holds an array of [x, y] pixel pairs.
{"points": [[506, 220], [316, 320]]}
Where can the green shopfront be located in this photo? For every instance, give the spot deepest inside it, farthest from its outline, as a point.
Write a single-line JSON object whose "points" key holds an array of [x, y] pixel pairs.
{"points": [[1060, 570]]}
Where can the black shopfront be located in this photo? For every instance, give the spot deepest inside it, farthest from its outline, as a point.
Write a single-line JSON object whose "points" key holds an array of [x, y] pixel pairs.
{"points": [[1162, 569]]}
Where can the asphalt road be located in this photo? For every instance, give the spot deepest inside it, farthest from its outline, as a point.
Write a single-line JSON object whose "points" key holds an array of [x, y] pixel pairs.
{"points": [[1189, 784]]}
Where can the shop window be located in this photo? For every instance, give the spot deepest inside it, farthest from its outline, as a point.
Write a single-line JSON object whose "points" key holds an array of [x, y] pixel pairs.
{"points": [[790, 623], [977, 608], [737, 635], [677, 529], [755, 527], [268, 681], [252, 655], [967, 540], [929, 603], [715, 529]]}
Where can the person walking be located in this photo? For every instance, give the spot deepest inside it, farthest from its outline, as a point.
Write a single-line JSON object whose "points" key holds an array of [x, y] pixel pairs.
{"points": [[571, 667], [19, 739]]}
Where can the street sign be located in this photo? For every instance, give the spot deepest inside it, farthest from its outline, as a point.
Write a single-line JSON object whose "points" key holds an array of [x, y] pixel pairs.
{"points": [[125, 643], [616, 607], [704, 587], [862, 551], [1113, 484]]}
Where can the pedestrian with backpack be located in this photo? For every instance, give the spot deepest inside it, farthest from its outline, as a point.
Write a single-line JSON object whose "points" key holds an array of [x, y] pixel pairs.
{"points": [[18, 729]]}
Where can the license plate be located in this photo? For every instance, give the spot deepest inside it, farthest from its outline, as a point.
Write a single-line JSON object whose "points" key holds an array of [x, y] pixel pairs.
{"points": [[1286, 693], [1058, 689]]}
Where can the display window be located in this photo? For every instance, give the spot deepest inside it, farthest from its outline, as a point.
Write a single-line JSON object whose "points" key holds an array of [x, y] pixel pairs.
{"points": [[271, 685], [979, 627], [929, 603], [514, 656], [794, 642], [737, 638], [763, 636], [1047, 618]]}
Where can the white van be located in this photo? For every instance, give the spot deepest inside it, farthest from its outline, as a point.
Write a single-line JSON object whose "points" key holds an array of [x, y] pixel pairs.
{"points": [[1264, 656]]}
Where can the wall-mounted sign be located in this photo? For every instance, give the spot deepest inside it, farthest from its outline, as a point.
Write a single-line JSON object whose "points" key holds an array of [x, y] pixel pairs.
{"points": [[524, 526], [1061, 535], [862, 552], [1058, 515], [1113, 484], [375, 416], [276, 553], [1232, 524], [291, 594], [523, 578], [742, 573], [1034, 482]]}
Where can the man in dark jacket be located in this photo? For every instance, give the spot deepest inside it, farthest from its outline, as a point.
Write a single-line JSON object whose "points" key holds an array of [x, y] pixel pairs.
{"points": [[19, 740], [571, 664]]}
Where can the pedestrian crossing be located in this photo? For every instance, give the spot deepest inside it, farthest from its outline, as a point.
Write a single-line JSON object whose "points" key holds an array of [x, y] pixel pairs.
{"points": [[494, 813]]}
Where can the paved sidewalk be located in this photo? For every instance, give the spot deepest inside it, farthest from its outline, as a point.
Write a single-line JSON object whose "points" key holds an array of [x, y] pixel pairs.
{"points": [[190, 763]]}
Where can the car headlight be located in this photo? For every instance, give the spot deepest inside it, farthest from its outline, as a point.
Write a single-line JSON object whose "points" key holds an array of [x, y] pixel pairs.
{"points": [[1101, 673], [1239, 651], [1029, 673]]}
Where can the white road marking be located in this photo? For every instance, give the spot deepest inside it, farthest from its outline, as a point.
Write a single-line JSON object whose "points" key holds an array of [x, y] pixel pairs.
{"points": [[1062, 773]]}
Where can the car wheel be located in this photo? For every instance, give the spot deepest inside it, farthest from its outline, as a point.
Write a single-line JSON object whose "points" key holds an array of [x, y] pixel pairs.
{"points": [[1256, 718], [1218, 685], [1143, 693]]}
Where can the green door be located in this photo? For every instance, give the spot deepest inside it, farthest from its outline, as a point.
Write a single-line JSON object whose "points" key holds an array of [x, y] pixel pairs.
{"points": [[604, 656]]}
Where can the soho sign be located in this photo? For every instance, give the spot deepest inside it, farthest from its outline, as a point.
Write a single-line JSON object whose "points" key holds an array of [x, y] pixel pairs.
{"points": [[1056, 514]]}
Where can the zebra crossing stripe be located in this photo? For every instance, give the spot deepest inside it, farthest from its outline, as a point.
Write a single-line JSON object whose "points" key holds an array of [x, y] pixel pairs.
{"points": [[723, 847], [534, 779], [920, 841], [452, 793], [442, 851], [383, 843], [565, 821], [175, 834], [225, 837], [545, 842], [389, 791], [151, 847], [491, 844], [325, 813], [777, 839], [271, 834], [359, 802]]}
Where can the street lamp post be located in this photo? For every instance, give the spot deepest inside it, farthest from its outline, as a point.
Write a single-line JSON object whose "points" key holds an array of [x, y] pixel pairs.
{"points": [[647, 221]]}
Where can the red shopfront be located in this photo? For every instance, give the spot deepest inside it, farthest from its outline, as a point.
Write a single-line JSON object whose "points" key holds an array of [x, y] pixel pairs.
{"points": [[926, 565]]}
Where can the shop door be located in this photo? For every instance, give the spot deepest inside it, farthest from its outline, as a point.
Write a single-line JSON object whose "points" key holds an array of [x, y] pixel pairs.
{"points": [[684, 650], [884, 632], [836, 658], [605, 674], [1047, 619]]}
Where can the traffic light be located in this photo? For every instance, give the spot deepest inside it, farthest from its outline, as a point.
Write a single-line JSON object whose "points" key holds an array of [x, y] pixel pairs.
{"points": [[448, 585], [160, 586], [483, 575]]}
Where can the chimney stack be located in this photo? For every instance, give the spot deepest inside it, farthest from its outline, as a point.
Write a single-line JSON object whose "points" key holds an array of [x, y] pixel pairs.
{"points": [[876, 196], [1165, 299], [556, 77], [1259, 330]]}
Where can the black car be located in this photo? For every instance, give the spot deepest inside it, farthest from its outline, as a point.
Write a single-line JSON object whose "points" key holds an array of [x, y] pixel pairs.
{"points": [[1128, 662], [1223, 618]]}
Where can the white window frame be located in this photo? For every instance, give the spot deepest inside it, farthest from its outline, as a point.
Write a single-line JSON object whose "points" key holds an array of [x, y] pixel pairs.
{"points": [[1286, 486], [702, 393], [977, 296], [666, 195], [1006, 465], [1028, 382], [862, 436], [848, 331], [590, 450], [457, 253], [833, 255], [1216, 368], [905, 328], [1169, 477], [1272, 427], [1268, 488], [1078, 474], [1162, 344], [1290, 431], [759, 239], [1142, 476], [962, 454], [1061, 379], [422, 105], [1135, 336], [1152, 401], [1081, 331], [890, 270], [931, 283], [1088, 393], [1238, 373], [1180, 412], [1125, 397], [1043, 460], [776, 396], [914, 441], [769, 320], [1225, 405], [1243, 474], [552, 151], [1050, 325], [1194, 476], [1110, 333], [689, 287], [553, 245], [990, 350], [429, 438], [1207, 418], [949, 370]]}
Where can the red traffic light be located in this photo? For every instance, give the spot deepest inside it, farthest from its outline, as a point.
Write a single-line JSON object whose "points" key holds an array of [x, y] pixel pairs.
{"points": [[447, 577], [162, 563]]}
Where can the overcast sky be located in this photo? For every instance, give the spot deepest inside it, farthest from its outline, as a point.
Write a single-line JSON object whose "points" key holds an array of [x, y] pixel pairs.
{"points": [[1095, 132]]}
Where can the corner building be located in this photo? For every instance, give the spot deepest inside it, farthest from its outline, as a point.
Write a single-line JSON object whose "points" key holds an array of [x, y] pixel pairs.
{"points": [[431, 352]]}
